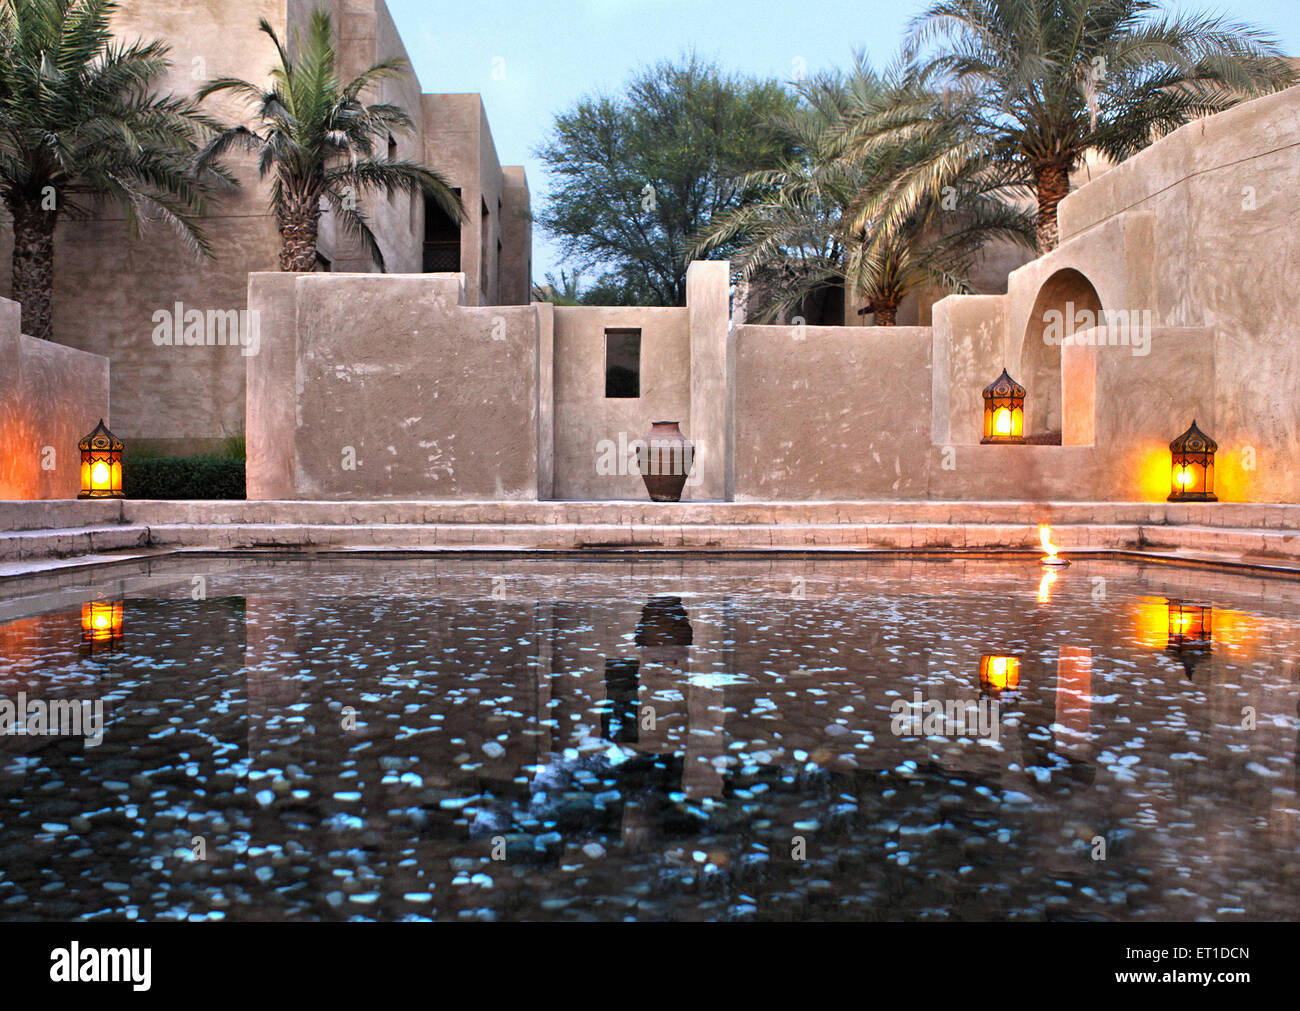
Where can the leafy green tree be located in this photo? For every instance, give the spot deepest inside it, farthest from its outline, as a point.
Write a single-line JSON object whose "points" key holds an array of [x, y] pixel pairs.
{"points": [[634, 178], [316, 138], [830, 218], [1037, 83], [80, 124]]}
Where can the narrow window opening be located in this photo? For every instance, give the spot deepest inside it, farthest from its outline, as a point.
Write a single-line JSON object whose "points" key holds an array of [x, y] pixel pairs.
{"points": [[441, 239], [623, 363]]}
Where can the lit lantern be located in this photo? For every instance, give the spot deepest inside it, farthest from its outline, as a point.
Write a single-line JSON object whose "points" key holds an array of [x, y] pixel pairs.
{"points": [[101, 464], [101, 626], [999, 674], [1191, 630], [1193, 467], [1004, 410]]}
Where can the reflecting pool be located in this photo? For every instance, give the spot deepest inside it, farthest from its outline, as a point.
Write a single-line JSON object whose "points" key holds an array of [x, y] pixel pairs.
{"points": [[327, 738]]}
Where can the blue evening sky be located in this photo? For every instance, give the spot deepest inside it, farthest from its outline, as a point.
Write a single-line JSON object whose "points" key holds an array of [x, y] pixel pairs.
{"points": [[532, 60]]}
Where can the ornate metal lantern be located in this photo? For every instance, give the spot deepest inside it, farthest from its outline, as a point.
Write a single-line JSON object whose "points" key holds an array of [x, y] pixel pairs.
{"points": [[1004, 410], [101, 464], [1193, 467], [999, 675]]}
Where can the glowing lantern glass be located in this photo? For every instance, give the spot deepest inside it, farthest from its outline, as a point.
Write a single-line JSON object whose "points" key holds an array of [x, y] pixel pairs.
{"points": [[1193, 467], [1191, 631], [1004, 410], [101, 626], [999, 674], [101, 464]]}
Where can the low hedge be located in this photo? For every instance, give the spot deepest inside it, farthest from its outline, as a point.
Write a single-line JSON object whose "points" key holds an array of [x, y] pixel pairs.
{"points": [[192, 477]]}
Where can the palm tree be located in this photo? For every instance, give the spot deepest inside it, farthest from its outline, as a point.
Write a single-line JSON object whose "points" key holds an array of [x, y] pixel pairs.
{"points": [[1038, 83], [316, 138], [831, 219], [80, 124], [564, 290]]}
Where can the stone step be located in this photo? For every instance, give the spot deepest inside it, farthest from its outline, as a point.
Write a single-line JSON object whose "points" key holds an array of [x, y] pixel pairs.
{"points": [[1199, 540], [1227, 514], [569, 537], [59, 513], [73, 513], [66, 542], [716, 537]]}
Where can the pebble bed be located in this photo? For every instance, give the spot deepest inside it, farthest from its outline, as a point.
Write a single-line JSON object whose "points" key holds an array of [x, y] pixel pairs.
{"points": [[403, 740]]}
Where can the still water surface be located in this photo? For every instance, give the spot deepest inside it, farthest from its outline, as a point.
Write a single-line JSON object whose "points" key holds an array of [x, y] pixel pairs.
{"points": [[708, 739]]}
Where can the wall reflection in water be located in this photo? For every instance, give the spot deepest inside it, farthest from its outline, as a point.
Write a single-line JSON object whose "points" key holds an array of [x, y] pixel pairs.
{"points": [[649, 740]]}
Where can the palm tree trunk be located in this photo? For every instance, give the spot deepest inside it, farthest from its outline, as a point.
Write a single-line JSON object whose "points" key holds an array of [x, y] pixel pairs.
{"points": [[1052, 182], [886, 312], [33, 266], [299, 230]]}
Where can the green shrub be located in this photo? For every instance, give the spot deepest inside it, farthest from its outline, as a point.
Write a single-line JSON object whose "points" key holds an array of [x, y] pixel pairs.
{"points": [[185, 477]]}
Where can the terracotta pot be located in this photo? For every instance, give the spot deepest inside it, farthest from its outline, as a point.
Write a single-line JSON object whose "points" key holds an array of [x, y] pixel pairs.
{"points": [[665, 461]]}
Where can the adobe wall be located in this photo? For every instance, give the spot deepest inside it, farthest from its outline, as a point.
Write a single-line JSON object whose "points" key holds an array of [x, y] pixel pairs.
{"points": [[823, 413], [50, 397], [110, 285], [587, 424], [1197, 230], [832, 412], [388, 386], [1225, 254]]}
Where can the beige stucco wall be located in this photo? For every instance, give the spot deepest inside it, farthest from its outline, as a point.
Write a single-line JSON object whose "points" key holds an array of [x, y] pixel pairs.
{"points": [[496, 249], [968, 352], [50, 396], [831, 412], [367, 35], [866, 412], [516, 267], [109, 285], [1224, 254], [586, 422], [388, 386], [713, 385]]}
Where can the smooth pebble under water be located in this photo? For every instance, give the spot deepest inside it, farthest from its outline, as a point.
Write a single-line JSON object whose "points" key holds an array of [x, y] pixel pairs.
{"points": [[406, 738]]}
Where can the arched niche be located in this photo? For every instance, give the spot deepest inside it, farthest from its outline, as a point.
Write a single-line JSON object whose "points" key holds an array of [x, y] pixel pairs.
{"points": [[1067, 303]]}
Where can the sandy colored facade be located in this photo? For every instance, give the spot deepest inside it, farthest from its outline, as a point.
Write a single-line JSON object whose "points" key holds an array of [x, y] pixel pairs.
{"points": [[1170, 295], [50, 396], [109, 285]]}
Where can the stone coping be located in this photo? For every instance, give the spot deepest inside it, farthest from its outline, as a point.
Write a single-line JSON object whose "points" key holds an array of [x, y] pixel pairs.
{"points": [[39, 515], [86, 572], [1264, 548]]}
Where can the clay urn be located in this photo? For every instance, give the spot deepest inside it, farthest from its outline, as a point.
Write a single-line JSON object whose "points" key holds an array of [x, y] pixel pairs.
{"points": [[665, 459]]}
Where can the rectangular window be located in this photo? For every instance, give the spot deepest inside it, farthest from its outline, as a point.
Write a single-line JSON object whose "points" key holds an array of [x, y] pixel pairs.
{"points": [[441, 239], [623, 363]]}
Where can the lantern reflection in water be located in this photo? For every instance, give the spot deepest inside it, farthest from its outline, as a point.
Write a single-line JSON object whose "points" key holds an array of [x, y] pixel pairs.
{"points": [[101, 626], [1191, 631], [999, 675]]}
